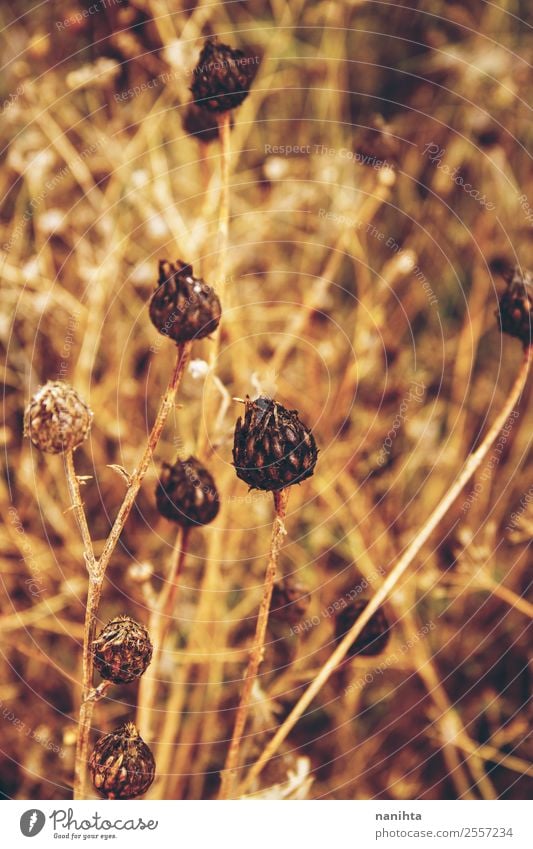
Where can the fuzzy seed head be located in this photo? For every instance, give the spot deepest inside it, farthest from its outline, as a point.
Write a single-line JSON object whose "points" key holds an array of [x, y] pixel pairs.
{"points": [[57, 419], [121, 764], [122, 650], [187, 494], [183, 307], [515, 311], [375, 635], [272, 447], [222, 77]]}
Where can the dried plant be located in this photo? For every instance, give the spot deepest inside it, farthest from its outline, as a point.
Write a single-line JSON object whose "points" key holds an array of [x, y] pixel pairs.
{"points": [[353, 238]]}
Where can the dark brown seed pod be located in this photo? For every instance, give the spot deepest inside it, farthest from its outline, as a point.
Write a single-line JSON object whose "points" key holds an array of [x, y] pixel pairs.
{"points": [[200, 123], [183, 307], [290, 601], [515, 311], [122, 650], [121, 764], [375, 635], [187, 494], [57, 419], [222, 77], [272, 448]]}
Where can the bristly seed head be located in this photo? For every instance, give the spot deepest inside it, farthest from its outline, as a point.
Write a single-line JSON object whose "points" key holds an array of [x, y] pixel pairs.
{"points": [[272, 448], [183, 307], [515, 312], [222, 77], [121, 764], [57, 419], [122, 650]]}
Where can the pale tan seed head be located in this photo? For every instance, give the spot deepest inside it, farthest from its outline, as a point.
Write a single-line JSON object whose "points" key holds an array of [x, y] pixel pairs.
{"points": [[57, 419]]}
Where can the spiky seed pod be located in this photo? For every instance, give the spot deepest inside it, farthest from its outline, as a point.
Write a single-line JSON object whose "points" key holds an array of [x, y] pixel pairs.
{"points": [[272, 448], [183, 307], [222, 77], [186, 493], [200, 123], [121, 764], [373, 638], [515, 311], [122, 650], [290, 601], [57, 419]]}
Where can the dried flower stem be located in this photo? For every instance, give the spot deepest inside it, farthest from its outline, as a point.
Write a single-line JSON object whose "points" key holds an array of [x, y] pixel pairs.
{"points": [[97, 568], [137, 477], [94, 593], [258, 649], [469, 468], [77, 505], [224, 128], [158, 628]]}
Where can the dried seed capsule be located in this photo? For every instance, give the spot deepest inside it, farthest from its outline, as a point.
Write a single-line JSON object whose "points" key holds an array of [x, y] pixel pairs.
{"points": [[121, 764], [272, 448], [187, 494], [57, 419], [290, 601], [183, 307], [222, 77], [515, 311], [122, 650], [373, 638]]}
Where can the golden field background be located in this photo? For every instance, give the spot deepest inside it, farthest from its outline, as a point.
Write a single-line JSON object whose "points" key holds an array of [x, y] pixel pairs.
{"points": [[360, 288]]}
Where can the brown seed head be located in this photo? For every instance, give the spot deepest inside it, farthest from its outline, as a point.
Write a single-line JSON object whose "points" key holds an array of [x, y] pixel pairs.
{"points": [[186, 493], [121, 764], [515, 312], [183, 307], [222, 77], [272, 447], [373, 638], [122, 650], [57, 419]]}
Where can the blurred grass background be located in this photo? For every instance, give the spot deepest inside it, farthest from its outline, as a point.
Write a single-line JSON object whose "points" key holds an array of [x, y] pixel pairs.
{"points": [[346, 286]]}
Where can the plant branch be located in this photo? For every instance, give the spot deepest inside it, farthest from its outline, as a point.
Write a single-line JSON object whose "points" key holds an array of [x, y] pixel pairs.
{"points": [[258, 648], [97, 569], [137, 477], [87, 703], [471, 465], [77, 504]]}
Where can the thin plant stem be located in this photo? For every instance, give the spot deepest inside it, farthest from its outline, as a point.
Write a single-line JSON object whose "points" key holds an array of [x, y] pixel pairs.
{"points": [[87, 704], [158, 628], [77, 505], [137, 477], [258, 648], [466, 473], [224, 128], [97, 568]]}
